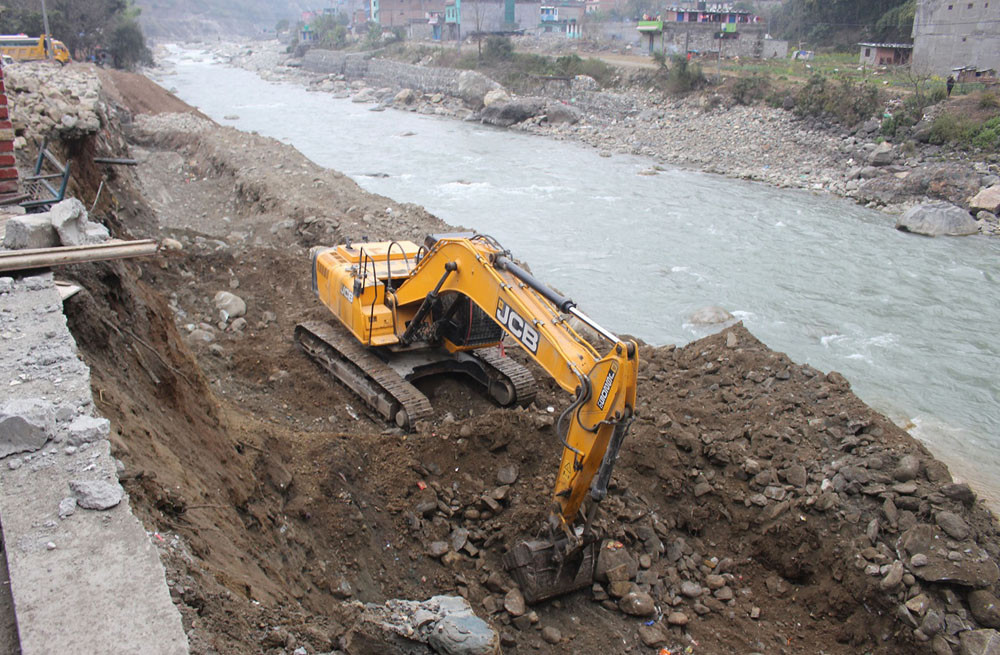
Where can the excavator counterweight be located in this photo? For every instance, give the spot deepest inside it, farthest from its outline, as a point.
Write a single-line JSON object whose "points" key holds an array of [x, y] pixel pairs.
{"points": [[406, 311]]}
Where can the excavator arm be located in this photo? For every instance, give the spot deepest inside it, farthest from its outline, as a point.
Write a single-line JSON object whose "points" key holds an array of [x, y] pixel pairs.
{"points": [[591, 428]]}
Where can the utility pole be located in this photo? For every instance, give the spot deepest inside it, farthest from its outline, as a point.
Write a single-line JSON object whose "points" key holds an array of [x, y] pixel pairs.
{"points": [[47, 36]]}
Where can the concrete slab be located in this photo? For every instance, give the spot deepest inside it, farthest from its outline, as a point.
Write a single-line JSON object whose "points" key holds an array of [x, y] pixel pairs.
{"points": [[86, 581]]}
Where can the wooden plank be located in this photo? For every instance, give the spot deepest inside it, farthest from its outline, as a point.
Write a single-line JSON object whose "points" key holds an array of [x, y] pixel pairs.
{"points": [[18, 260]]}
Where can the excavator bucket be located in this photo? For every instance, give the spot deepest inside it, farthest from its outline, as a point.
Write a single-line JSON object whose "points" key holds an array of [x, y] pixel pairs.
{"points": [[544, 570]]}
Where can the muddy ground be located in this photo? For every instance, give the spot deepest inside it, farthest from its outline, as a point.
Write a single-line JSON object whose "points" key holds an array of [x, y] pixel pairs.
{"points": [[759, 503]]}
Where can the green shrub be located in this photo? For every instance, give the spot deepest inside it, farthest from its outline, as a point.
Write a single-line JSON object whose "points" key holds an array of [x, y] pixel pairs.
{"points": [[988, 101], [988, 136], [683, 75], [748, 90], [848, 101], [498, 48]]}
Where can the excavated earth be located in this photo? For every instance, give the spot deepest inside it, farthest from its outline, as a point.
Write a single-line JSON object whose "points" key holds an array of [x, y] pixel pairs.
{"points": [[759, 503]]}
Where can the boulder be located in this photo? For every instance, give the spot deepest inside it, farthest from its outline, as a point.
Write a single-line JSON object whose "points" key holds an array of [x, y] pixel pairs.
{"points": [[516, 110], [610, 558], [638, 603], [986, 200], [405, 97], [985, 608], [473, 87], [558, 112], [229, 305], [937, 219], [979, 642], [495, 96], [882, 155], [710, 316]]}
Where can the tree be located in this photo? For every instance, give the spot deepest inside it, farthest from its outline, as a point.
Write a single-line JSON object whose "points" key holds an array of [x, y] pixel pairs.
{"points": [[83, 25], [127, 45], [282, 25]]}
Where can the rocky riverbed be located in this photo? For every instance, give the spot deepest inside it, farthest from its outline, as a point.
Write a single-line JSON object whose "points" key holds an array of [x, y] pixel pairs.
{"points": [[706, 131]]}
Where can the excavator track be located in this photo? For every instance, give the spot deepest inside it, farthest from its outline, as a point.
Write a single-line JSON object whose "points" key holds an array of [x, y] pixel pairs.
{"points": [[363, 372], [518, 376]]}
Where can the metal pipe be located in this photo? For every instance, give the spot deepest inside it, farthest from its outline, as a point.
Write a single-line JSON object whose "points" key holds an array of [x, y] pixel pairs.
{"points": [[44, 257]]}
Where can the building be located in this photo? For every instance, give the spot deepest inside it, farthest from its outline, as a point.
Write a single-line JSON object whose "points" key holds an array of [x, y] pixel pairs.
{"points": [[403, 13], [886, 54], [716, 29], [562, 18], [950, 34]]}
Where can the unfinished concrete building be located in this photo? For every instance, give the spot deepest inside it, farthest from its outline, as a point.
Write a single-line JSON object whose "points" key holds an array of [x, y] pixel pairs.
{"points": [[950, 34]]}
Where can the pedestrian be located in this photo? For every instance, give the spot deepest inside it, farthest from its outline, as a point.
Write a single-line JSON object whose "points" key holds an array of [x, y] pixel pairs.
{"points": [[950, 83]]}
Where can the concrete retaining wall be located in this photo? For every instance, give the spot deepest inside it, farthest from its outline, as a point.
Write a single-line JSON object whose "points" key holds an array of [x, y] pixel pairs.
{"points": [[84, 575]]}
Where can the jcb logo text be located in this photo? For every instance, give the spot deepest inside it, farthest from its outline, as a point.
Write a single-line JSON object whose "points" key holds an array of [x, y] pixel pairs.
{"points": [[520, 328]]}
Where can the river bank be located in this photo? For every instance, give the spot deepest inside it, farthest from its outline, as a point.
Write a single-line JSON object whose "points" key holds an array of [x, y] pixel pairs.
{"points": [[758, 507], [706, 132]]}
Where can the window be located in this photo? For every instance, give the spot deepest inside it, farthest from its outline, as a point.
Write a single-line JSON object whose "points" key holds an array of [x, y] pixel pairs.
{"points": [[970, 6], [949, 7], [868, 52]]}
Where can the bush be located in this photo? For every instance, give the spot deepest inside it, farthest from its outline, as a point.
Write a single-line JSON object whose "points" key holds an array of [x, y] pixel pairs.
{"points": [[683, 75], [498, 48], [988, 101], [748, 90], [847, 101]]}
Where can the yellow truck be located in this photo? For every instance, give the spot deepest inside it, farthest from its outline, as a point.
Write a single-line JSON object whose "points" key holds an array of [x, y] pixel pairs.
{"points": [[21, 47]]}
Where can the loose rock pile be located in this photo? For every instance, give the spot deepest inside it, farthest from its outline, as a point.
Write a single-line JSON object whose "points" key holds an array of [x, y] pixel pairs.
{"points": [[52, 100]]}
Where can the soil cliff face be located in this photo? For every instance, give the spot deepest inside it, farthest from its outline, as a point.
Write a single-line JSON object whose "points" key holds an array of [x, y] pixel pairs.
{"points": [[758, 504]]}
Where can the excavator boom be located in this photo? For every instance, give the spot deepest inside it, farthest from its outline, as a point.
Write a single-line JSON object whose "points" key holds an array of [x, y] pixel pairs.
{"points": [[462, 293]]}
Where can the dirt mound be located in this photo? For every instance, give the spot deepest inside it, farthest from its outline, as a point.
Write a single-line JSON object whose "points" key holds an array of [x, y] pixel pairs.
{"points": [[758, 504], [141, 95]]}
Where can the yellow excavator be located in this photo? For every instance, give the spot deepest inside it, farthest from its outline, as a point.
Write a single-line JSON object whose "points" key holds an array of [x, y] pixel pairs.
{"points": [[408, 311]]}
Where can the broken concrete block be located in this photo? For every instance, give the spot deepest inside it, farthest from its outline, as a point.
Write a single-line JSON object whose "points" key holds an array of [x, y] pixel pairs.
{"points": [[96, 494], [86, 429], [95, 233], [69, 218], [6, 284], [30, 231], [25, 425]]}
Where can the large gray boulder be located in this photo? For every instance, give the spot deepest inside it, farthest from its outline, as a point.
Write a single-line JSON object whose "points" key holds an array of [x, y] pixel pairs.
{"points": [[710, 316], [473, 87], [516, 110], [558, 112], [935, 219], [882, 155]]}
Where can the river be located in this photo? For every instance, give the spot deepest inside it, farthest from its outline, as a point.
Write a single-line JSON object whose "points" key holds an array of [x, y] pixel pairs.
{"points": [[910, 321]]}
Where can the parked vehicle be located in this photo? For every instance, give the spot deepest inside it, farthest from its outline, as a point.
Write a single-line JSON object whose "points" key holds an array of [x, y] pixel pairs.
{"points": [[21, 47]]}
